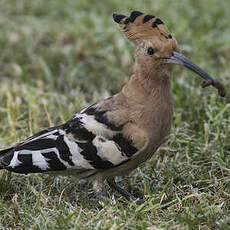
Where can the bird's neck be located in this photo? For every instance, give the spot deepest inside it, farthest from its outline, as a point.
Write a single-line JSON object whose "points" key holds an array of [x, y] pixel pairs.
{"points": [[150, 102], [145, 85]]}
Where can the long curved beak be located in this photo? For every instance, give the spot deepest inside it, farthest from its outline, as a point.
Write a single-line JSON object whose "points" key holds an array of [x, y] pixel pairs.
{"points": [[180, 59]]}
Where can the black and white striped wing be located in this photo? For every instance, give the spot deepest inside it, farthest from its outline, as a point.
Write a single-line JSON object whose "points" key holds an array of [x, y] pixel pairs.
{"points": [[87, 141]]}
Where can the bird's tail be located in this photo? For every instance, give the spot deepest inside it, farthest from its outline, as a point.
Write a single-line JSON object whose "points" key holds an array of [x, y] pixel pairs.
{"points": [[3, 154]]}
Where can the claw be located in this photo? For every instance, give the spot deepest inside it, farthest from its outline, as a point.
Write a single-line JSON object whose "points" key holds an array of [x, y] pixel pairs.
{"points": [[124, 193]]}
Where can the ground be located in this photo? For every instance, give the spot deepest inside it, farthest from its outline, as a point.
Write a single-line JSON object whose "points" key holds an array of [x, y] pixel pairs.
{"points": [[56, 57]]}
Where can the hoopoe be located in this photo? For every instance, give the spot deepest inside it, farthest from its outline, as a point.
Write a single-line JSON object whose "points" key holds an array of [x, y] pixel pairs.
{"points": [[114, 136]]}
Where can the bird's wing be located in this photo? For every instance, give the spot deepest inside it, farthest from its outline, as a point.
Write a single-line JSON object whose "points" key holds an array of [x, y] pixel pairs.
{"points": [[87, 141]]}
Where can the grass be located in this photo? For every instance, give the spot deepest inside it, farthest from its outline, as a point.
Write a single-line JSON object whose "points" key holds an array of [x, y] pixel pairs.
{"points": [[57, 57]]}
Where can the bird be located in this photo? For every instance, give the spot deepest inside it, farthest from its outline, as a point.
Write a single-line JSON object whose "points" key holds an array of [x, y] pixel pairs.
{"points": [[115, 135]]}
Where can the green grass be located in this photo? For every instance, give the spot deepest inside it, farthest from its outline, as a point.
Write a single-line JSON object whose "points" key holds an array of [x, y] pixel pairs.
{"points": [[59, 56]]}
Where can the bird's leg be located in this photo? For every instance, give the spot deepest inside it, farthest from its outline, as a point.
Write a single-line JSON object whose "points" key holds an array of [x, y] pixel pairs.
{"points": [[123, 192], [98, 188]]}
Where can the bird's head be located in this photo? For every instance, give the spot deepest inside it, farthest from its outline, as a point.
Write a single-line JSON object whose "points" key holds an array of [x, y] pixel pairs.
{"points": [[156, 49]]}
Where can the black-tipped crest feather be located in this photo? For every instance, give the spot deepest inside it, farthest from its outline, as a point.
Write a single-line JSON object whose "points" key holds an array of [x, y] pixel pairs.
{"points": [[134, 15], [147, 18], [157, 22], [118, 17]]}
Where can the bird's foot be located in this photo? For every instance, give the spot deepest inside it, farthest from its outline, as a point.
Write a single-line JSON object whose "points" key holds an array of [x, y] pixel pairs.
{"points": [[124, 193], [101, 196]]}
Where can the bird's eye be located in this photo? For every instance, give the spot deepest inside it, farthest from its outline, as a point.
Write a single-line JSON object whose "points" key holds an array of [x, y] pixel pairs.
{"points": [[150, 51]]}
